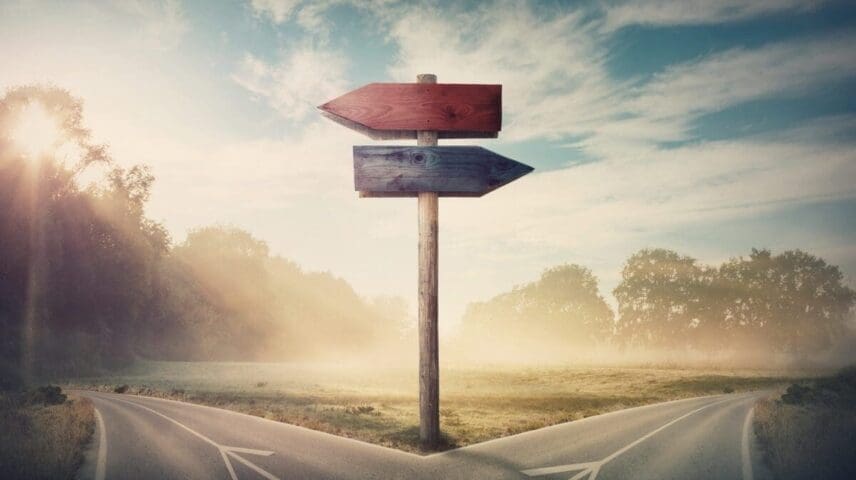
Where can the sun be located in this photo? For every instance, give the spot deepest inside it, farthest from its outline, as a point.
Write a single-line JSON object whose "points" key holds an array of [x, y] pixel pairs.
{"points": [[36, 132]]}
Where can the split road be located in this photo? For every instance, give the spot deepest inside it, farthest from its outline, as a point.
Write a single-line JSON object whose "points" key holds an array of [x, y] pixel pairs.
{"points": [[702, 438]]}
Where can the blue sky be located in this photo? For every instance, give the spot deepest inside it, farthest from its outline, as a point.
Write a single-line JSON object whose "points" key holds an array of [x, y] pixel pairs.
{"points": [[706, 127]]}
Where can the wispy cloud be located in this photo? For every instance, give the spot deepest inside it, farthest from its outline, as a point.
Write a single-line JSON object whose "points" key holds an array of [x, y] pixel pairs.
{"points": [[555, 80], [696, 12], [277, 10], [739, 75], [162, 22], [304, 78], [606, 203], [312, 14]]}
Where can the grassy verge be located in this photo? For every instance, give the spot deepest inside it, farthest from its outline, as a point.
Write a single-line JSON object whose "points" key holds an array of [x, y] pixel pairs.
{"points": [[44, 434], [810, 431], [380, 405]]}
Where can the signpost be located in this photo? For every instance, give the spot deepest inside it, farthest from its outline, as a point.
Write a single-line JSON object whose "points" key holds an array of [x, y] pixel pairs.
{"points": [[426, 111]]}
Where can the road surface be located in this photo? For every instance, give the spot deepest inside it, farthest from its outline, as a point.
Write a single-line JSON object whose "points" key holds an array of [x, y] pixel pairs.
{"points": [[144, 438]]}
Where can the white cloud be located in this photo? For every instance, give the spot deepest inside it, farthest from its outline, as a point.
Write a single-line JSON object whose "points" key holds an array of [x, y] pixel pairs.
{"points": [[556, 84], [551, 69], [306, 77], [277, 10], [738, 75], [310, 14], [696, 12]]}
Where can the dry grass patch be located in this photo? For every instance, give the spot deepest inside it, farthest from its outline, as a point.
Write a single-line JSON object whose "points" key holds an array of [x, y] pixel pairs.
{"points": [[42, 441], [380, 405], [810, 432]]}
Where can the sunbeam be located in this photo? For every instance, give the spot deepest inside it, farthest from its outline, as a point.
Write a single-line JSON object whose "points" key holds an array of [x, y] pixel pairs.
{"points": [[37, 131]]}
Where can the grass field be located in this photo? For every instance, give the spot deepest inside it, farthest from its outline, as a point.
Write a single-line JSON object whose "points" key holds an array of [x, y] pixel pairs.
{"points": [[380, 405]]}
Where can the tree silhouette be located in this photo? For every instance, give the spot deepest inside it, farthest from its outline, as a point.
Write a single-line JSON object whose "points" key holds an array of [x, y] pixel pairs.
{"points": [[563, 310], [88, 281], [660, 299], [793, 302]]}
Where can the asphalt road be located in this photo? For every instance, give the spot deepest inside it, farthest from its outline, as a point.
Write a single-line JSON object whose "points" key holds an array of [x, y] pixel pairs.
{"points": [[145, 438]]}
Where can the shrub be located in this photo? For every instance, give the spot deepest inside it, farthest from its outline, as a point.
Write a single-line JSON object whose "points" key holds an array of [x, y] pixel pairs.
{"points": [[728, 389], [46, 395], [121, 388], [796, 394]]}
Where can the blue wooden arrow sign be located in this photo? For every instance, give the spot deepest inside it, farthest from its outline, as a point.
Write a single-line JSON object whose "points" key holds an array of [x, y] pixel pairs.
{"points": [[381, 171]]}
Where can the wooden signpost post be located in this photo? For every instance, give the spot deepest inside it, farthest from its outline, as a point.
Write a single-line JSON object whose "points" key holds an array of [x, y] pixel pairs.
{"points": [[426, 111]]}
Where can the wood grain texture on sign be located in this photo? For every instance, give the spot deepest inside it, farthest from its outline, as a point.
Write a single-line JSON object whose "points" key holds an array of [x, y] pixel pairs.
{"points": [[475, 109], [402, 171]]}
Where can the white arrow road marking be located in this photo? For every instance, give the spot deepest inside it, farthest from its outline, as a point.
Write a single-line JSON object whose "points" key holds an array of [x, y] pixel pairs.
{"points": [[593, 468], [224, 450], [231, 451], [585, 468]]}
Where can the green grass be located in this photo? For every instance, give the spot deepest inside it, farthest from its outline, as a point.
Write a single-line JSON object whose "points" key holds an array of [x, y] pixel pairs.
{"points": [[43, 441], [380, 405]]}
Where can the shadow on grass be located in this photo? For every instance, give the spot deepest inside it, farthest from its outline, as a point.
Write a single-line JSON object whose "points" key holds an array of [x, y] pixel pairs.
{"points": [[410, 436]]}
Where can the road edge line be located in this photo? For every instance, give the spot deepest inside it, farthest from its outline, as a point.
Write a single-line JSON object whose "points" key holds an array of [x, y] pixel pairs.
{"points": [[597, 464], [745, 454], [101, 458]]}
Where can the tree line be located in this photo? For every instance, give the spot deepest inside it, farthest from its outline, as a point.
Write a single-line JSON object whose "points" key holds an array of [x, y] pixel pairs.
{"points": [[88, 281], [791, 303]]}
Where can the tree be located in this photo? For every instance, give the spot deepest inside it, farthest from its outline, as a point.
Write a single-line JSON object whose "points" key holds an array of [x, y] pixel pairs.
{"points": [[77, 263], [88, 281], [227, 301], [563, 310], [793, 302], [662, 300]]}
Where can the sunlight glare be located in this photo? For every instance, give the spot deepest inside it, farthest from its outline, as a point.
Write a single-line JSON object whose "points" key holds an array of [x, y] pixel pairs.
{"points": [[37, 131]]}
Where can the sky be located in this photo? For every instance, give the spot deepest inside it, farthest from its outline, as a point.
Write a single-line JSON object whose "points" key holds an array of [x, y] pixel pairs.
{"points": [[707, 127]]}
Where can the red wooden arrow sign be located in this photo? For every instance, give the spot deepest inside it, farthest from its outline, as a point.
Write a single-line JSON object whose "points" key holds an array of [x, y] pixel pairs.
{"points": [[398, 110]]}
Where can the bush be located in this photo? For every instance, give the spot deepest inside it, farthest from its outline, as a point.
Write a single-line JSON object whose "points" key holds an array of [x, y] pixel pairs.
{"points": [[46, 395], [796, 394], [121, 388], [728, 390], [806, 441]]}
